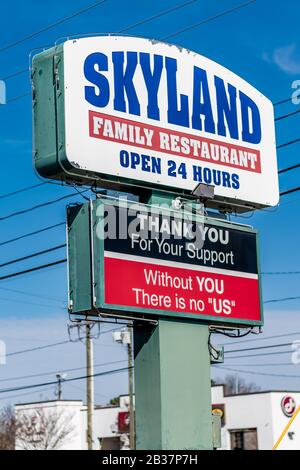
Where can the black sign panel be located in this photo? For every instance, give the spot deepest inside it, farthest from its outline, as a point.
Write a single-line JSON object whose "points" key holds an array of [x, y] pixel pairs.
{"points": [[171, 238]]}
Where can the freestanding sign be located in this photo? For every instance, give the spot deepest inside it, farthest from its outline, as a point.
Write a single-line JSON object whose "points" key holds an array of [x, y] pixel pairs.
{"points": [[114, 111], [163, 263], [133, 110]]}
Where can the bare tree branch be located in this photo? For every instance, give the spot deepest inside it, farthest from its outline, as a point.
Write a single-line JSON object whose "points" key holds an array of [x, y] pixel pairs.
{"points": [[43, 429], [7, 428], [234, 384]]}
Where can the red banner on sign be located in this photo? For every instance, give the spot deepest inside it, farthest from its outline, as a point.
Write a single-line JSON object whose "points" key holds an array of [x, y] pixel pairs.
{"points": [[137, 134], [148, 286]]}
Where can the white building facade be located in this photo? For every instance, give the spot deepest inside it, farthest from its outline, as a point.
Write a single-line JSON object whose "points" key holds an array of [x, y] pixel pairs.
{"points": [[111, 424], [252, 421], [255, 421]]}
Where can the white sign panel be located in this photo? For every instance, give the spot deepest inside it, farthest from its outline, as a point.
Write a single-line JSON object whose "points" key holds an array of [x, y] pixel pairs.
{"points": [[157, 114]]}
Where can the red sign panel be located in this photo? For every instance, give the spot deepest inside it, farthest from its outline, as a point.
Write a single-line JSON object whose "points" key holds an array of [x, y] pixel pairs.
{"points": [[156, 286]]}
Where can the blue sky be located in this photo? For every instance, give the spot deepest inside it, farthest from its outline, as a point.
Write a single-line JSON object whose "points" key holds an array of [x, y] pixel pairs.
{"points": [[261, 43]]}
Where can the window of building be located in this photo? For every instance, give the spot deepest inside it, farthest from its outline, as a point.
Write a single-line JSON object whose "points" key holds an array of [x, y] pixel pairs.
{"points": [[243, 439], [110, 443]]}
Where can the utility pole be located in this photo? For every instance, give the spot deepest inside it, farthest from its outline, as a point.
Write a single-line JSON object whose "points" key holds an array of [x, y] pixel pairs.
{"points": [[125, 337], [89, 386], [60, 379], [130, 388], [237, 384]]}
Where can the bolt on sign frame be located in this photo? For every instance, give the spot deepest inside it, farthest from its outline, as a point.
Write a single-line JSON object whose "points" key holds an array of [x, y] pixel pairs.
{"points": [[161, 275]]}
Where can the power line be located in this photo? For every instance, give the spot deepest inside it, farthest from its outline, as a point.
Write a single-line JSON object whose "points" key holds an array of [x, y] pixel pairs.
{"points": [[290, 191], [114, 371], [64, 260], [257, 373], [43, 374], [38, 348], [30, 294], [151, 18], [15, 74], [282, 101], [260, 347], [210, 18], [289, 168], [53, 307], [287, 115], [50, 26], [269, 364], [146, 20], [158, 15], [30, 234], [206, 20], [73, 379], [46, 346], [261, 339], [44, 204], [33, 255], [44, 389], [97, 394], [24, 95], [37, 268], [286, 144], [281, 273], [48, 250], [31, 270], [18, 191], [261, 354], [285, 299], [283, 204], [19, 97]]}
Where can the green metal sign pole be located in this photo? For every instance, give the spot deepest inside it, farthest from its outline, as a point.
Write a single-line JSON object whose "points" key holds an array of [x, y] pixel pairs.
{"points": [[172, 382], [172, 386]]}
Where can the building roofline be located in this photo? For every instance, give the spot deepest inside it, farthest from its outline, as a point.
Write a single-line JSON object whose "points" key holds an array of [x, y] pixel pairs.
{"points": [[258, 392], [47, 401], [98, 407], [261, 392], [104, 407]]}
